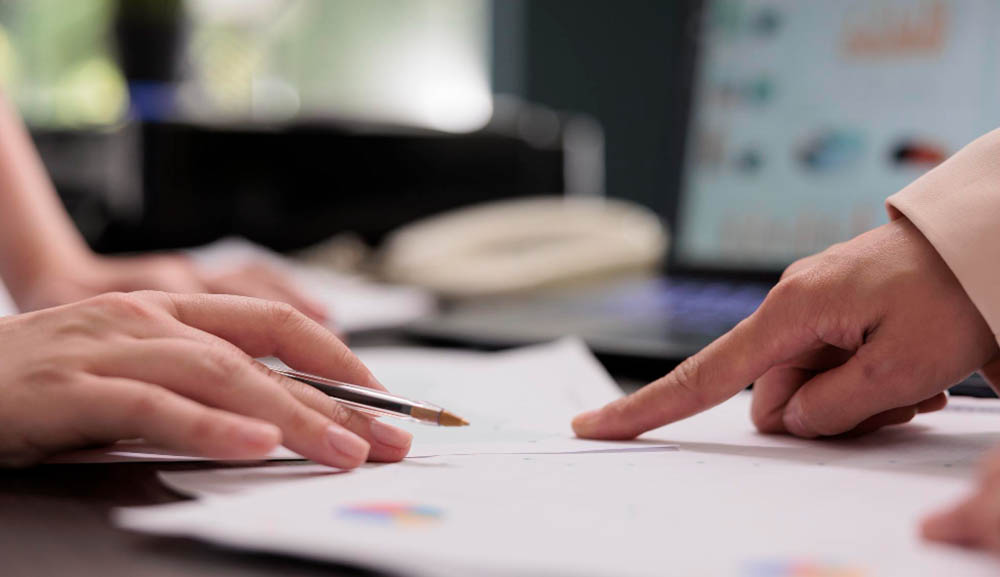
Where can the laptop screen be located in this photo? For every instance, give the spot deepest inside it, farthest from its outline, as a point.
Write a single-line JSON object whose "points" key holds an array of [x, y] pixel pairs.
{"points": [[807, 115]]}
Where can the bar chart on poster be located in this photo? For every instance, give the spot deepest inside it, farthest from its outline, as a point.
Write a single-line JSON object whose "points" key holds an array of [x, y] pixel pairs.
{"points": [[807, 115]]}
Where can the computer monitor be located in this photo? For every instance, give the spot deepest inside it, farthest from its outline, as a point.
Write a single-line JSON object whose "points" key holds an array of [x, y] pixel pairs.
{"points": [[806, 115]]}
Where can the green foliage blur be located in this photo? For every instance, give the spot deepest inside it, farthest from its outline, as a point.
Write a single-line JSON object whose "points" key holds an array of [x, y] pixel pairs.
{"points": [[57, 62]]}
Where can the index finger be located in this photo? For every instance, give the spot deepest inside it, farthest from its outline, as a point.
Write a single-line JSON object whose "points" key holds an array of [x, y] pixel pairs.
{"points": [[265, 328], [716, 373]]}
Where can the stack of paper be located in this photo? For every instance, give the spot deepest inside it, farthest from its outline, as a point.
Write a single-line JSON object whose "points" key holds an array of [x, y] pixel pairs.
{"points": [[355, 303], [730, 502]]}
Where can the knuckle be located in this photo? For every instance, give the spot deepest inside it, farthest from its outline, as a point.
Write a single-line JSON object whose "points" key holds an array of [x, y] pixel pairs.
{"points": [[286, 316], [146, 405], [281, 312], [806, 296], [127, 305], [791, 288], [149, 296], [205, 426], [793, 268], [685, 378], [108, 301], [218, 365], [343, 415]]}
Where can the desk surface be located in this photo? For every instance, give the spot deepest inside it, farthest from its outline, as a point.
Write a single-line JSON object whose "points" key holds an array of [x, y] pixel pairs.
{"points": [[54, 520]]}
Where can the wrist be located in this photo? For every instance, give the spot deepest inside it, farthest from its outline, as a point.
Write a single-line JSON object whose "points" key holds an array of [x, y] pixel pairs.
{"points": [[956, 208], [46, 274]]}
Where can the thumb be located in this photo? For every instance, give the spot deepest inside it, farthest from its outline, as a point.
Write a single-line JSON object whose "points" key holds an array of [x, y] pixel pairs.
{"points": [[836, 401]]}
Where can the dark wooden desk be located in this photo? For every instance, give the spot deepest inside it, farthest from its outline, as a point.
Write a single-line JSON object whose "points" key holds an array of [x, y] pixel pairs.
{"points": [[54, 520]]}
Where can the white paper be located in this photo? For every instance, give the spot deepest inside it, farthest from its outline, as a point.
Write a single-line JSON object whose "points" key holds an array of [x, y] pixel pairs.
{"points": [[6, 303], [730, 502], [518, 401], [355, 303]]}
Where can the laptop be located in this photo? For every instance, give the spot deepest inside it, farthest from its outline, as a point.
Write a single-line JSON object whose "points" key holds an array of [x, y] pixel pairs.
{"points": [[802, 118]]}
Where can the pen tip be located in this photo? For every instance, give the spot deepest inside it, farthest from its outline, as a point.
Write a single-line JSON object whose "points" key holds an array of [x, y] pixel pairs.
{"points": [[451, 420]]}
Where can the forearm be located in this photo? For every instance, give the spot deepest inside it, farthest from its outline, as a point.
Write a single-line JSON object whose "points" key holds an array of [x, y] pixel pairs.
{"points": [[36, 234]]}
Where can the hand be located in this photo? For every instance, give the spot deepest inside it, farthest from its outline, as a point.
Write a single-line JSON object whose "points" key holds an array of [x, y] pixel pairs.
{"points": [[866, 334], [975, 522], [177, 370], [165, 272]]}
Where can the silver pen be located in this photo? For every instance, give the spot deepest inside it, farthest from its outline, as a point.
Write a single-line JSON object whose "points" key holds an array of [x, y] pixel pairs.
{"points": [[375, 402]]}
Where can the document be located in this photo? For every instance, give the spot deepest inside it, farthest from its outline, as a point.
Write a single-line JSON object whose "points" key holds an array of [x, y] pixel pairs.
{"points": [[519, 401], [729, 502], [356, 303]]}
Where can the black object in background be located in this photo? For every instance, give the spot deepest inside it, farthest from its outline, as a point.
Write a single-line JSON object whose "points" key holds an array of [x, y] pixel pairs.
{"points": [[625, 63], [293, 186], [149, 35]]}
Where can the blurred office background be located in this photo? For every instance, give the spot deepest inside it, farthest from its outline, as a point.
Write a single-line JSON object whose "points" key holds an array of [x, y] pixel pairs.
{"points": [[169, 123], [728, 137]]}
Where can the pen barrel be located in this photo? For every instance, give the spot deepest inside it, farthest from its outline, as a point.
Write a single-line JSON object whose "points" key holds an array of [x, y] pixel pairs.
{"points": [[366, 400], [361, 400]]}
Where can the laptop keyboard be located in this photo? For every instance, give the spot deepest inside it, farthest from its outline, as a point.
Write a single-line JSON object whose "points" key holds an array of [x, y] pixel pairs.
{"points": [[688, 306]]}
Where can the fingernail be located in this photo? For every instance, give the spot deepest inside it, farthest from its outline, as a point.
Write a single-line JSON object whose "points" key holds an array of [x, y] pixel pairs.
{"points": [[347, 444], [389, 435], [260, 435]]}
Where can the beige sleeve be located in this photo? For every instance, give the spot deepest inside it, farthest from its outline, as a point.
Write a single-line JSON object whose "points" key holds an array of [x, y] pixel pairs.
{"points": [[957, 207]]}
